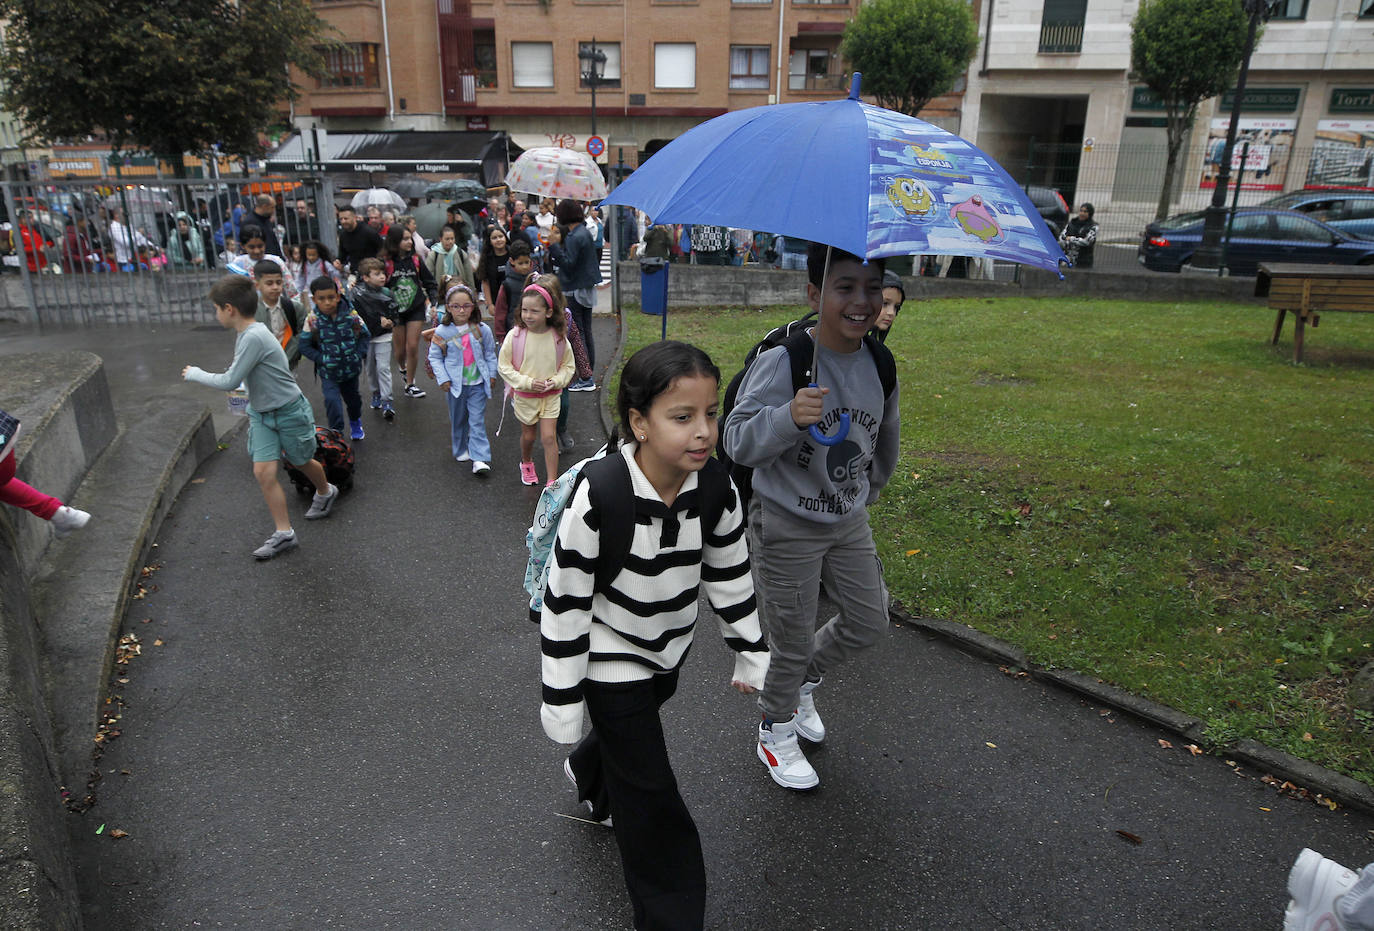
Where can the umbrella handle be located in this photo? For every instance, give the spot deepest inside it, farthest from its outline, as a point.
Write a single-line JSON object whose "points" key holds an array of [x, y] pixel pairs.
{"points": [[840, 434]]}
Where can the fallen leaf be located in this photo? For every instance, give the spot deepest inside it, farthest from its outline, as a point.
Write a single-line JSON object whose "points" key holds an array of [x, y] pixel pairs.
{"points": [[1300, 568], [912, 552], [1262, 808], [1133, 838], [991, 744], [197, 481], [1306, 736], [1194, 749], [100, 830], [157, 643], [1165, 744], [117, 834]]}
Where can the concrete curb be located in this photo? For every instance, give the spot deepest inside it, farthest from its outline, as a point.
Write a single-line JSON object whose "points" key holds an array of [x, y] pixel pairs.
{"points": [[1333, 785]]}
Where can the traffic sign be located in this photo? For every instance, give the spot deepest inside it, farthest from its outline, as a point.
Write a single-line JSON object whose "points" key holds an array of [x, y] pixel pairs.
{"points": [[595, 146]]}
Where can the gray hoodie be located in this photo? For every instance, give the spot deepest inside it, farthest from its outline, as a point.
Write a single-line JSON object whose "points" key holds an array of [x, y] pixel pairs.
{"points": [[824, 484]]}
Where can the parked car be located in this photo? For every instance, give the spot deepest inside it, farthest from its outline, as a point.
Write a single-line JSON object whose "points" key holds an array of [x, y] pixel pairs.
{"points": [[1257, 235], [1051, 204], [1351, 212]]}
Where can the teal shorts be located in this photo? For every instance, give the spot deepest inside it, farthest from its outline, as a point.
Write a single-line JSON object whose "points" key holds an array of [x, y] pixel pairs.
{"points": [[287, 431]]}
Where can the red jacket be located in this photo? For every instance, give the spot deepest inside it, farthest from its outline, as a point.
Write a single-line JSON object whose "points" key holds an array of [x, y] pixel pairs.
{"points": [[33, 245]]}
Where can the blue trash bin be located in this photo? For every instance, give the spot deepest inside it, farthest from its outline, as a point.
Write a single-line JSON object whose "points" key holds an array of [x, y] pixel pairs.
{"points": [[653, 286]]}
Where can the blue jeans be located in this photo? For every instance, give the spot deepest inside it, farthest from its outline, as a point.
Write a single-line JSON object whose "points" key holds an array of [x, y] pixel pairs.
{"points": [[467, 417], [336, 395]]}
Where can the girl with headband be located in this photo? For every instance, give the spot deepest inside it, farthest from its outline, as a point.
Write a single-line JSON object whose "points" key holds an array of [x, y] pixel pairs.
{"points": [[462, 353], [536, 364]]}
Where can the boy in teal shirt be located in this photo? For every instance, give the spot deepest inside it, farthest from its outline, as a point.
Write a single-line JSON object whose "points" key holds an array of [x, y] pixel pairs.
{"points": [[280, 419]]}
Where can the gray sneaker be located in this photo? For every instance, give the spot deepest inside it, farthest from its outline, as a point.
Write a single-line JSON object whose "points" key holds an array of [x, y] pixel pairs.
{"points": [[278, 543], [321, 505], [565, 443]]}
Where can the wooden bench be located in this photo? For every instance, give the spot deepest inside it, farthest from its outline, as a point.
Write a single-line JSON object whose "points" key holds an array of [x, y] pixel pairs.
{"points": [[1307, 290]]}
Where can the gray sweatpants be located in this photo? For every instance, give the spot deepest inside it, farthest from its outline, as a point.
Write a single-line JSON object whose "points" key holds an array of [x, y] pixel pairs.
{"points": [[378, 366], [790, 557], [1356, 907]]}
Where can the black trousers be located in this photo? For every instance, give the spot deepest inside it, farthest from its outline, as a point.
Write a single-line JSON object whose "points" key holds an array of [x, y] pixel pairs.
{"points": [[622, 767]]}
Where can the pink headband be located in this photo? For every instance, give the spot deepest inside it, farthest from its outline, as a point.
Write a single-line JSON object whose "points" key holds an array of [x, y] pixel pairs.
{"points": [[548, 298], [459, 287]]}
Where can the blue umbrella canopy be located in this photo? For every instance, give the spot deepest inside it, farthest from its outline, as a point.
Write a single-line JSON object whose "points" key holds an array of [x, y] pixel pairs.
{"points": [[865, 179]]}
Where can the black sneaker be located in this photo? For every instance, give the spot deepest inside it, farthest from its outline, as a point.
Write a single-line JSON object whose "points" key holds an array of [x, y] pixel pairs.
{"points": [[414, 391]]}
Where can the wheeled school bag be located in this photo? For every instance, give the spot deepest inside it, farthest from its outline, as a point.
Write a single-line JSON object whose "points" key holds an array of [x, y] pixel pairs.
{"points": [[800, 352], [333, 452], [614, 495]]}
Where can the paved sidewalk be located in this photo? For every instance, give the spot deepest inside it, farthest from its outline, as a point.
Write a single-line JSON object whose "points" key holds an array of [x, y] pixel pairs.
{"points": [[348, 737]]}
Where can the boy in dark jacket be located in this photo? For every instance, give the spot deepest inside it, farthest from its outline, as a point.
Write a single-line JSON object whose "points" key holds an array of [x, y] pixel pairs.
{"points": [[375, 304], [337, 342], [518, 266]]}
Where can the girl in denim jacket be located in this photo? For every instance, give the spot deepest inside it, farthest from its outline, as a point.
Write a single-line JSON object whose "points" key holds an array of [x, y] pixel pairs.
{"points": [[462, 353]]}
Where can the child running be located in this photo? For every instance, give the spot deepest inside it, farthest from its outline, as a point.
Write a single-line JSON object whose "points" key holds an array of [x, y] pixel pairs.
{"points": [[617, 651], [537, 364], [463, 356], [280, 420], [337, 342], [20, 494]]}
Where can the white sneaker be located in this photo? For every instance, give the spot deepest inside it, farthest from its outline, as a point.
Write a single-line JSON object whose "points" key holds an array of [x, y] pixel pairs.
{"points": [[808, 722], [480, 468], [464, 457], [592, 813], [68, 519], [779, 751], [1315, 883]]}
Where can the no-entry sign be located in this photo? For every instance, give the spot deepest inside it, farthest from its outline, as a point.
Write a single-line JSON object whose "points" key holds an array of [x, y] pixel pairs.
{"points": [[595, 146]]}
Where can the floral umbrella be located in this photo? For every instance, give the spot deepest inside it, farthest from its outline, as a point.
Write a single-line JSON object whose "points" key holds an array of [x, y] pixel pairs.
{"points": [[550, 171]]}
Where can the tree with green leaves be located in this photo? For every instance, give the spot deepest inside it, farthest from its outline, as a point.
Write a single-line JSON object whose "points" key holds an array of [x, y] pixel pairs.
{"points": [[910, 51], [1186, 51], [162, 76]]}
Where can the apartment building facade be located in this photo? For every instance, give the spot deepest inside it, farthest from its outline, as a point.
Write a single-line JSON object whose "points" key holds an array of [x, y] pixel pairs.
{"points": [[1053, 76], [514, 65]]}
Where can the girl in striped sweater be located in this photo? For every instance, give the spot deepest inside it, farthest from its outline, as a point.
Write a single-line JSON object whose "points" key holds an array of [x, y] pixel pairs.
{"points": [[615, 653]]}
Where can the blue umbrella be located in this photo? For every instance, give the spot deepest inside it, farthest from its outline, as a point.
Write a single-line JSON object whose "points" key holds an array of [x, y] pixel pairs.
{"points": [[861, 178], [868, 180]]}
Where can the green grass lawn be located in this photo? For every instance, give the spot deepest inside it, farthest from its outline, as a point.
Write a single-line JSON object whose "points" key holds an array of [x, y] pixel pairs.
{"points": [[1146, 492]]}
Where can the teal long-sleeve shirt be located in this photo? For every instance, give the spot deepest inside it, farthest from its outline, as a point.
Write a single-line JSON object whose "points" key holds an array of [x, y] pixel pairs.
{"points": [[259, 363]]}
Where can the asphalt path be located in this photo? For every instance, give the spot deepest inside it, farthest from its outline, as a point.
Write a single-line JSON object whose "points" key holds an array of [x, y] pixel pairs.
{"points": [[348, 737]]}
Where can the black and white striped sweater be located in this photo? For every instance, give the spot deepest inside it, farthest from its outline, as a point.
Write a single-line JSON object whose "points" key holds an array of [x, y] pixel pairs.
{"points": [[643, 624]]}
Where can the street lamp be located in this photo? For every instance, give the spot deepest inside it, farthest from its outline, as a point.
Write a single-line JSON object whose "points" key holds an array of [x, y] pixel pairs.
{"points": [[594, 65], [1209, 254]]}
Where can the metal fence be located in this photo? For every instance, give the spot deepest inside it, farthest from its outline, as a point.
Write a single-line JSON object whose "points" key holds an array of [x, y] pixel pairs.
{"points": [[106, 251]]}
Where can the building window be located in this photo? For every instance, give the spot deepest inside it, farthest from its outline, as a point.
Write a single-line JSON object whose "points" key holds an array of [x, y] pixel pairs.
{"points": [[1061, 25], [770, 2], [484, 56], [351, 65], [610, 72], [1288, 9], [749, 67], [675, 65], [531, 64], [808, 69]]}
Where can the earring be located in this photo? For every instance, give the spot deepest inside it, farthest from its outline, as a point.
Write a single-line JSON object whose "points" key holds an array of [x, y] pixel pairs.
{"points": [[641, 438]]}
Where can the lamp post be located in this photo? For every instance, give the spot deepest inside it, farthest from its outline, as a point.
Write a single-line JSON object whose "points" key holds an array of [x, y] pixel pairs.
{"points": [[594, 64], [1209, 253]]}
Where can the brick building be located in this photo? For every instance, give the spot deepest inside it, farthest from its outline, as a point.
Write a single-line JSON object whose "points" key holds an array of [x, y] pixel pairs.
{"points": [[513, 65]]}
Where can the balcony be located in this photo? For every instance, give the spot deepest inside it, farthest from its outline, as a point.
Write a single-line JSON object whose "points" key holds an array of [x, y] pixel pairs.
{"points": [[817, 82], [1060, 37]]}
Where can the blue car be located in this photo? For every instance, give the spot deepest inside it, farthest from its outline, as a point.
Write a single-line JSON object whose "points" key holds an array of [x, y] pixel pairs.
{"points": [[1351, 212], [1257, 235]]}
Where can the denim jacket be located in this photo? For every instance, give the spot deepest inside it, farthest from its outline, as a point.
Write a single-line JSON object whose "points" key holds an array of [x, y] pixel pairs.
{"points": [[447, 360]]}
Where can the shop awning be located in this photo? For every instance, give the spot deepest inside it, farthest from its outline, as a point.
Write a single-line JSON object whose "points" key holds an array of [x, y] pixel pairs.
{"points": [[482, 154]]}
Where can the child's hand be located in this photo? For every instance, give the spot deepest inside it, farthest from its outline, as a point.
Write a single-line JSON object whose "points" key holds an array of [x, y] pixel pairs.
{"points": [[808, 406], [743, 688], [386, 323], [445, 386], [185, 370]]}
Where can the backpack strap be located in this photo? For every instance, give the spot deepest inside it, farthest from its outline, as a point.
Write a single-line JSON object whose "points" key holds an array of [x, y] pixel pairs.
{"points": [[517, 348], [713, 487], [885, 363], [613, 497]]}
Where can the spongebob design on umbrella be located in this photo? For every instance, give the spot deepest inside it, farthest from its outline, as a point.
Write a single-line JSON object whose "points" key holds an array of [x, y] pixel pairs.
{"points": [[911, 197], [974, 218]]}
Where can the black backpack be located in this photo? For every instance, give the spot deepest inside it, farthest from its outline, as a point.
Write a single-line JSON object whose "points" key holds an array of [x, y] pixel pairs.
{"points": [[615, 499], [800, 351]]}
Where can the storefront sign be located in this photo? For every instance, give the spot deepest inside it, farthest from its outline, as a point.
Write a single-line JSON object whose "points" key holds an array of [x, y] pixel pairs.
{"points": [[1266, 164], [1263, 100], [1352, 100], [1142, 98], [1342, 155]]}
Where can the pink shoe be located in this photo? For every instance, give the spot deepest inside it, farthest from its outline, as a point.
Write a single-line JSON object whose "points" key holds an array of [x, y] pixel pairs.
{"points": [[527, 474], [549, 483]]}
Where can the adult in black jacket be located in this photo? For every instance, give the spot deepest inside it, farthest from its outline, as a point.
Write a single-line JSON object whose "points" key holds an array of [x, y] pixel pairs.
{"points": [[357, 241], [264, 217]]}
